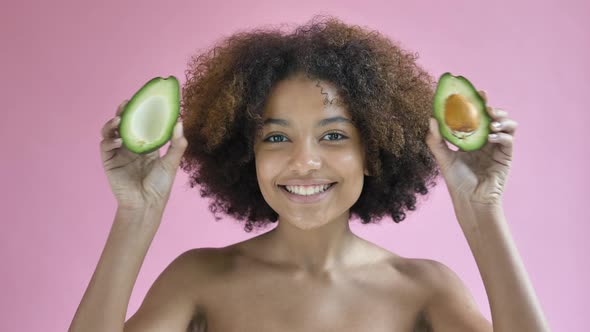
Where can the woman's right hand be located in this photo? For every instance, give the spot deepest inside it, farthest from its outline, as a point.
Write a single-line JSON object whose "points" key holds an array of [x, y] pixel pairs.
{"points": [[140, 181]]}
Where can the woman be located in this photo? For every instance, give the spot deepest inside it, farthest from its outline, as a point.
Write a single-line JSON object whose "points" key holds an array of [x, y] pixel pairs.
{"points": [[306, 130]]}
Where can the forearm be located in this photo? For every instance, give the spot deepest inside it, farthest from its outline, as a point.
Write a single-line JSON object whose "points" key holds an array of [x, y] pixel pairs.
{"points": [[104, 304], [513, 302]]}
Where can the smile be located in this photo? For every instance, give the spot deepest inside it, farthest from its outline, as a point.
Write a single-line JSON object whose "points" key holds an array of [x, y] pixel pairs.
{"points": [[300, 195]]}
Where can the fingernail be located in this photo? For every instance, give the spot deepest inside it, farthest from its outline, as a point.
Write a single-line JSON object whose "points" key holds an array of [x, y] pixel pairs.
{"points": [[500, 112], [496, 125], [178, 132], [494, 136]]}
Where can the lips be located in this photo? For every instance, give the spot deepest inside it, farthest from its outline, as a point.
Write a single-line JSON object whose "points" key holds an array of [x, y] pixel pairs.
{"points": [[307, 199], [307, 185]]}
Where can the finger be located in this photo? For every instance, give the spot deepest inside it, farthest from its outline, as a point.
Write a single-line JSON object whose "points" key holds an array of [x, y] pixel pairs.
{"points": [[110, 144], [108, 130], [108, 148], [496, 113], [483, 95], [122, 106], [175, 151], [437, 145], [504, 139], [506, 125]]}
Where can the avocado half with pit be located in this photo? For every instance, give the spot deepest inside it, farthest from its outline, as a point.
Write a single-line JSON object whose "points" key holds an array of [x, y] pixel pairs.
{"points": [[148, 120], [461, 113]]}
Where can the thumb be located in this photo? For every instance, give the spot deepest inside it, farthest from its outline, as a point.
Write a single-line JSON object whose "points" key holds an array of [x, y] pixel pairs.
{"points": [[437, 145], [175, 151]]}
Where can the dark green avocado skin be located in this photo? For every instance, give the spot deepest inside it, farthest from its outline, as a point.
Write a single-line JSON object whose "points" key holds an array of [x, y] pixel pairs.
{"points": [[174, 100], [449, 84]]}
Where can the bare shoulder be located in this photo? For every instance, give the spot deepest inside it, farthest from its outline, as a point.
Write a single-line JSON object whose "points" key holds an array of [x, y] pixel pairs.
{"points": [[185, 273], [173, 300], [430, 278], [449, 305], [201, 262], [431, 274]]}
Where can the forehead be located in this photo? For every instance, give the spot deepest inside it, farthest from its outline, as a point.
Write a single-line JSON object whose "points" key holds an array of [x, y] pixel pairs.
{"points": [[301, 96]]}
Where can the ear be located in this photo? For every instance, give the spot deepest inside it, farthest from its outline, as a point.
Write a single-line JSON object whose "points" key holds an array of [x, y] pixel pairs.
{"points": [[365, 163], [367, 171]]}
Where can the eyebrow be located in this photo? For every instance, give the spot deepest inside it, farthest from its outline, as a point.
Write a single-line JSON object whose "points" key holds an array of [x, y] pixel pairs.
{"points": [[322, 123]]}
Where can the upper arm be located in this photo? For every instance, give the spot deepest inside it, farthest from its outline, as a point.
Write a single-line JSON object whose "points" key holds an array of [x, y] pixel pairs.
{"points": [[451, 306], [168, 306]]}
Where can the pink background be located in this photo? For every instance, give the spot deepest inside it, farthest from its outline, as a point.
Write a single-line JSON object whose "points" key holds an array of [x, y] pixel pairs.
{"points": [[68, 64]]}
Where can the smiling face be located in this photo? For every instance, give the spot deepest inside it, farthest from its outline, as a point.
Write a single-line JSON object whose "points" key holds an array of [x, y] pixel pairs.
{"points": [[308, 137]]}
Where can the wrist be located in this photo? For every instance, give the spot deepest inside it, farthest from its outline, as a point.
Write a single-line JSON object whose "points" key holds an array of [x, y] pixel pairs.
{"points": [[468, 202], [480, 208], [140, 214], [472, 214], [140, 207]]}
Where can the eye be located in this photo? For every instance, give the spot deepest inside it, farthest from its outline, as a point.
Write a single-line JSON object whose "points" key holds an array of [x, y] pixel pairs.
{"points": [[337, 135], [269, 139], [282, 138]]}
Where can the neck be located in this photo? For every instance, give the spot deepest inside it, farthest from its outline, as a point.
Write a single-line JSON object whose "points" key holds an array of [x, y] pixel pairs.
{"points": [[314, 251]]}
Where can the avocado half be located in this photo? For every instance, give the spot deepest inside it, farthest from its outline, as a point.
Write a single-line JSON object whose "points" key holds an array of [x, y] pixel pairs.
{"points": [[461, 113], [148, 120]]}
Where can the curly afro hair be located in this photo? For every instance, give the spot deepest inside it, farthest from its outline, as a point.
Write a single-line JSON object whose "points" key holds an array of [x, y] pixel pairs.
{"points": [[388, 95]]}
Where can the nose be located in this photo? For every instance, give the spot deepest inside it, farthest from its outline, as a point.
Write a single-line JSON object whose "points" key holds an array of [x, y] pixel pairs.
{"points": [[305, 158]]}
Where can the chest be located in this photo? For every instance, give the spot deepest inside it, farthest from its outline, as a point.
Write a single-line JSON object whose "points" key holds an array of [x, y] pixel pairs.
{"points": [[360, 302]]}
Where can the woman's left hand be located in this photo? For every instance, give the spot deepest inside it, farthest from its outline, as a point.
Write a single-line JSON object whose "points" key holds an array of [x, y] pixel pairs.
{"points": [[477, 177]]}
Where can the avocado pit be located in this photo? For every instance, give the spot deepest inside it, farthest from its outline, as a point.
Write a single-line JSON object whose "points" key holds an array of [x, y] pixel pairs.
{"points": [[461, 116]]}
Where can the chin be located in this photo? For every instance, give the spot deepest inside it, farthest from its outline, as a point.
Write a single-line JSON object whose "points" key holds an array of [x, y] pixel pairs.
{"points": [[306, 222], [307, 226]]}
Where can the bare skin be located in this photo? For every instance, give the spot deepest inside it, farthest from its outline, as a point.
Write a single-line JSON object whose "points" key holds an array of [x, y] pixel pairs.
{"points": [[242, 290], [310, 273]]}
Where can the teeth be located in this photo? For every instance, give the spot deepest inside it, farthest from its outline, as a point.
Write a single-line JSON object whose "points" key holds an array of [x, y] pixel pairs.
{"points": [[306, 191]]}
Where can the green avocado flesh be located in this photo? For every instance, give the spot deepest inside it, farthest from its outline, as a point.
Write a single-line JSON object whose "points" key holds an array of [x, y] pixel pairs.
{"points": [[148, 120], [461, 113]]}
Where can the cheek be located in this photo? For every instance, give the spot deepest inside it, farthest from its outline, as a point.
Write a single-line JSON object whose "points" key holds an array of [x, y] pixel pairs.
{"points": [[351, 160], [267, 167]]}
